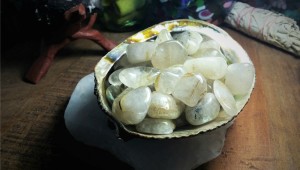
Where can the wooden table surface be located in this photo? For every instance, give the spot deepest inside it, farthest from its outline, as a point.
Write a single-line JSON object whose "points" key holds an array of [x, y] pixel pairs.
{"points": [[264, 136]]}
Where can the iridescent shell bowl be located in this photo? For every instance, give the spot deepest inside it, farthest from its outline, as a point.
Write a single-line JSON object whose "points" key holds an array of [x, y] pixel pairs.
{"points": [[229, 47]]}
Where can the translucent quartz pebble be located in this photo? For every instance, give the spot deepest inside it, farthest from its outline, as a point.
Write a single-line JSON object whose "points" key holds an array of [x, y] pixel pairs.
{"points": [[239, 78], [190, 88], [209, 67], [140, 52], [230, 57], [208, 52], [164, 35], [209, 48], [168, 53], [206, 110], [131, 106], [156, 126], [138, 76], [113, 78], [167, 79], [112, 92], [122, 62], [163, 106], [210, 84], [225, 98], [191, 40], [209, 44]]}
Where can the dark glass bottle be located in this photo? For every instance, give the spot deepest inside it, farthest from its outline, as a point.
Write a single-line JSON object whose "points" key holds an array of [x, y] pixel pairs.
{"points": [[124, 15]]}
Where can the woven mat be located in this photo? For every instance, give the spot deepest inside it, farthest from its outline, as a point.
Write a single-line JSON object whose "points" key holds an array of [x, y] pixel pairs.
{"points": [[37, 138]]}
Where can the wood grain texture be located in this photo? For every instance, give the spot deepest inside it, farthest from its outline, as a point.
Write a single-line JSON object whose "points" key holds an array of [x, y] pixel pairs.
{"points": [[264, 136]]}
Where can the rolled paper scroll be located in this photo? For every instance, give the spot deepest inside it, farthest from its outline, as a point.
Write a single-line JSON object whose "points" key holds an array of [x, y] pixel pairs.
{"points": [[273, 28]]}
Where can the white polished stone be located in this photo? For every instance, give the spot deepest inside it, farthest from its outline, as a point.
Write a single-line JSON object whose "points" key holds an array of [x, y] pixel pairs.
{"points": [[191, 40], [167, 79], [140, 52], [156, 126], [190, 88], [239, 78], [225, 98], [205, 111], [209, 67], [139, 76], [163, 106], [131, 106], [168, 53]]}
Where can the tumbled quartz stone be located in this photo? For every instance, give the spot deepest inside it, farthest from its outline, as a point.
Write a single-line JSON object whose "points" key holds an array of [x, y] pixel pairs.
{"points": [[138, 76], [190, 88], [156, 126], [239, 78], [163, 106], [167, 79], [113, 78], [230, 56], [164, 35], [209, 44], [112, 92], [210, 84], [131, 106], [168, 53], [205, 111], [209, 67], [122, 63], [208, 52], [191, 40], [140, 52], [225, 98]]}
